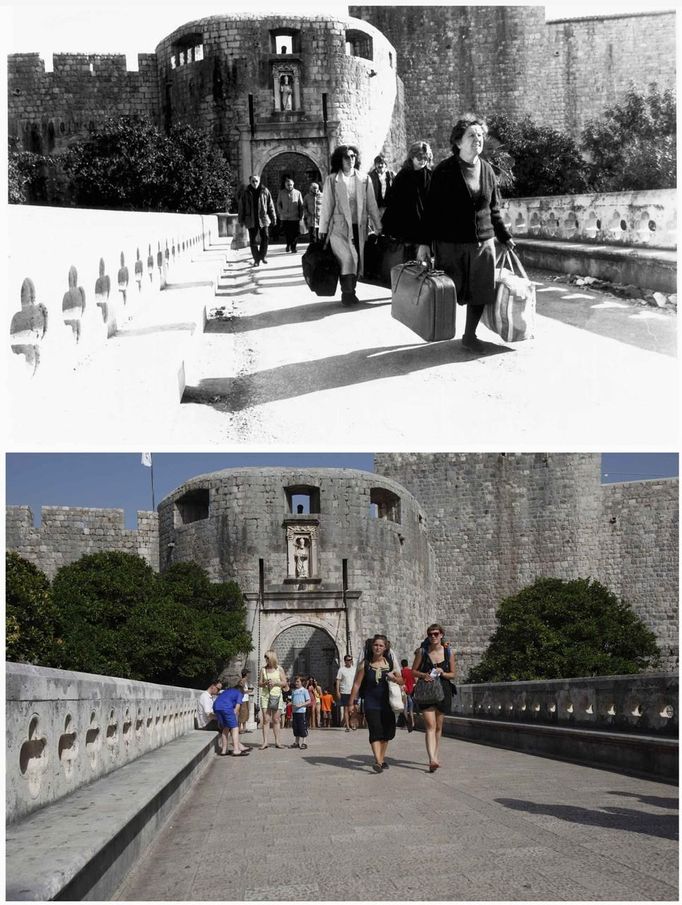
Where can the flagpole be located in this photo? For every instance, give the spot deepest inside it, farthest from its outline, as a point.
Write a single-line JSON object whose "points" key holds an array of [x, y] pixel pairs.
{"points": [[152, 477]]}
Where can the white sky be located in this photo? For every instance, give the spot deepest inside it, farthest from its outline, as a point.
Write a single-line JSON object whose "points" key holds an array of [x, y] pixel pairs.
{"points": [[104, 27]]}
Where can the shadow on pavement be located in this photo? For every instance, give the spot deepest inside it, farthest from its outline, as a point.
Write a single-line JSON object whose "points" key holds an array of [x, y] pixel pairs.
{"points": [[655, 800], [301, 314], [191, 284], [235, 394], [359, 762], [126, 331], [664, 826]]}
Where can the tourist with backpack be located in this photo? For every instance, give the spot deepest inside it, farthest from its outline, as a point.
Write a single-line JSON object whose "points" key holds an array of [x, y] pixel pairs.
{"points": [[433, 669], [376, 670]]}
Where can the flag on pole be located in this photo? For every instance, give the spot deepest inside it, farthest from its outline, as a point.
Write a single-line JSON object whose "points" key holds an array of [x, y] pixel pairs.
{"points": [[147, 459]]}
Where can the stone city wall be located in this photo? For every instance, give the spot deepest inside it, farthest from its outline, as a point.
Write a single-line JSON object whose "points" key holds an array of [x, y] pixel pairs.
{"points": [[66, 729], [48, 111], [498, 522], [508, 60], [66, 533]]}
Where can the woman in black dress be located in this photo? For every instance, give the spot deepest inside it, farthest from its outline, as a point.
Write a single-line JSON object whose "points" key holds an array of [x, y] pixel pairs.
{"points": [[434, 661], [406, 199], [378, 668]]}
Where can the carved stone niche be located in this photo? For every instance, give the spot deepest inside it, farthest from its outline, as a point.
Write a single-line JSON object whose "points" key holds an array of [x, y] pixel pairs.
{"points": [[302, 551], [286, 85]]}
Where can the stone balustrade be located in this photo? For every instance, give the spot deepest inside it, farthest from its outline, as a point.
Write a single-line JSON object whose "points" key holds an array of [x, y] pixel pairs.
{"points": [[66, 729], [645, 219], [646, 703], [76, 276]]}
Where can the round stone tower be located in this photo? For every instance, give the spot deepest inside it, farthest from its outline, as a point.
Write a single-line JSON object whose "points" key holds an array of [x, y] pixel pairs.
{"points": [[325, 557], [279, 93]]}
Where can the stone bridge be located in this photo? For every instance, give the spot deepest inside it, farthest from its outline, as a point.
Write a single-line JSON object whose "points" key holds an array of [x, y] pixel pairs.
{"points": [[548, 791]]}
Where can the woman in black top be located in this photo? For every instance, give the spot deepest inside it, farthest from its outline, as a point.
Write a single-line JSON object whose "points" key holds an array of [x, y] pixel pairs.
{"points": [[406, 198], [435, 662], [374, 673], [462, 218]]}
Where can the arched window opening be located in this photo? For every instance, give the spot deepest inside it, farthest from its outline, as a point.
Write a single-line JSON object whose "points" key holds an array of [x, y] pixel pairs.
{"points": [[285, 41], [192, 506], [383, 504], [359, 44]]}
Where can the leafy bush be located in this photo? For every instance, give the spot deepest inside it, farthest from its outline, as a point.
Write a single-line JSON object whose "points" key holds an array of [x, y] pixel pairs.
{"points": [[30, 617], [633, 144], [544, 161], [558, 629], [33, 178], [118, 617]]}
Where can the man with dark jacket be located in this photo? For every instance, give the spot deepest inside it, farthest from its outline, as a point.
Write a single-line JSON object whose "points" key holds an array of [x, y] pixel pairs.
{"points": [[382, 179], [256, 211]]}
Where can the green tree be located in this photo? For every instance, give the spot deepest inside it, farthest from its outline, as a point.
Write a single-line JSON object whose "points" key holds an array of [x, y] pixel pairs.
{"points": [[633, 144], [30, 616], [558, 629], [120, 618], [544, 161], [129, 164]]}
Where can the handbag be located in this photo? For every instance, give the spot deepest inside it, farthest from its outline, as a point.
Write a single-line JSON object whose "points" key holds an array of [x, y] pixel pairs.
{"points": [[395, 697], [273, 701], [512, 314], [428, 693]]}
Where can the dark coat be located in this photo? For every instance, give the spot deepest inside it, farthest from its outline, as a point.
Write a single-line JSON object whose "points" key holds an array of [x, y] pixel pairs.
{"points": [[256, 208], [376, 185], [405, 205], [451, 213]]}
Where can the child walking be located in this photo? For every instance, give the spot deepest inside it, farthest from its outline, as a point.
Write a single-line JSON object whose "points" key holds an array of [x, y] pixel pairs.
{"points": [[300, 700]]}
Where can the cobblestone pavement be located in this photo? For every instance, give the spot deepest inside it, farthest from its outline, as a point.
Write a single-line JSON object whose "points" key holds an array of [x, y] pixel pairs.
{"points": [[489, 825], [279, 365]]}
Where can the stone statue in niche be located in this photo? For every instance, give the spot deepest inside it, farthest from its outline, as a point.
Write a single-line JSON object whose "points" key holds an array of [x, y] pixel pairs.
{"points": [[301, 556], [286, 92]]}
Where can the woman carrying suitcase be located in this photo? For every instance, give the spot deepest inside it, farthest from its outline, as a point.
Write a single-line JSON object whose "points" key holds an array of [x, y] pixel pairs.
{"points": [[406, 199], [461, 220], [347, 203]]}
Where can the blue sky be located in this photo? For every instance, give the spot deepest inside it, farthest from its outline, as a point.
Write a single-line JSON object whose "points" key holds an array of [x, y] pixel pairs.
{"points": [[120, 481]]}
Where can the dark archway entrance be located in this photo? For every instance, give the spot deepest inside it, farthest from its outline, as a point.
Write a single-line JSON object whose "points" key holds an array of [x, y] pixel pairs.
{"points": [[309, 651], [301, 169]]}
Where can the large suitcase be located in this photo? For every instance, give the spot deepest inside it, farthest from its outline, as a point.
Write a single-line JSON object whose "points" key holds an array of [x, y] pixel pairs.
{"points": [[320, 269], [381, 255], [512, 314], [424, 300]]}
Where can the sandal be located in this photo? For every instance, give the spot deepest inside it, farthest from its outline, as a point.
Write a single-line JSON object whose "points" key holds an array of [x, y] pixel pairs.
{"points": [[264, 747], [279, 746], [294, 746], [241, 754], [376, 766], [433, 767], [304, 746]]}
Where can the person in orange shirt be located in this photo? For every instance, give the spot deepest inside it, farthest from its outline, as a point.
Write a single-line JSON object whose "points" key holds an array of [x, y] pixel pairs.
{"points": [[327, 701]]}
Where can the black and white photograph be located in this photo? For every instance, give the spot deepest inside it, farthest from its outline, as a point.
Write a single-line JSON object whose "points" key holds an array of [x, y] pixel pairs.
{"points": [[341, 436]]}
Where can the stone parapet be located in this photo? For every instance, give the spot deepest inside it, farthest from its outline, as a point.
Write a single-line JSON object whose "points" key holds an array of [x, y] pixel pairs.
{"points": [[646, 703], [66, 729], [635, 219]]}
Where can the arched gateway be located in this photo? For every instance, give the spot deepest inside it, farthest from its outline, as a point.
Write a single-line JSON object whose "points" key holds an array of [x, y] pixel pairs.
{"points": [[308, 651], [290, 163]]}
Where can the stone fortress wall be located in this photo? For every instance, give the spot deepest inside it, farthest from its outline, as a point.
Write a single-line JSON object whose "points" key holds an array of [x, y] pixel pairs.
{"points": [[66, 533], [223, 73], [411, 70], [508, 60], [244, 516], [428, 537], [499, 521]]}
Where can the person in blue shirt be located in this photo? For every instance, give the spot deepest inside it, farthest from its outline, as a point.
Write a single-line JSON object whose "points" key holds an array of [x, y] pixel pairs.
{"points": [[226, 710], [300, 701]]}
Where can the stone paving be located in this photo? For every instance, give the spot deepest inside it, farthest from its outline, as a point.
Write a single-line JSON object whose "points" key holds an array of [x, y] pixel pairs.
{"points": [[489, 825], [280, 368]]}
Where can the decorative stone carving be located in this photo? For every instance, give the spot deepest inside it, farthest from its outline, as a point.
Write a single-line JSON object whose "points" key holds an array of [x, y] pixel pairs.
{"points": [[302, 551], [286, 87]]}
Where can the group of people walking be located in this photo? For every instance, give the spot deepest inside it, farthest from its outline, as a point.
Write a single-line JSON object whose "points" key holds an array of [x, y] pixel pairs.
{"points": [[369, 685], [448, 215]]}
